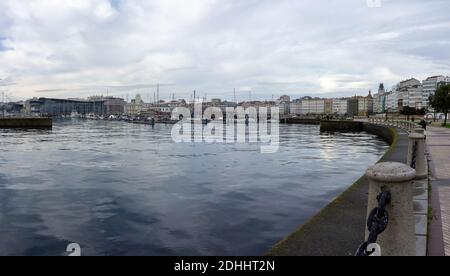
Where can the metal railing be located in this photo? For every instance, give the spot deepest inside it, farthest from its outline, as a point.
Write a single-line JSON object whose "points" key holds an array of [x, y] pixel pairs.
{"points": [[408, 126]]}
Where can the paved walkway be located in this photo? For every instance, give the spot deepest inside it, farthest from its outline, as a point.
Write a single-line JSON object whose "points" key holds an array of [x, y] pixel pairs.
{"points": [[438, 140]]}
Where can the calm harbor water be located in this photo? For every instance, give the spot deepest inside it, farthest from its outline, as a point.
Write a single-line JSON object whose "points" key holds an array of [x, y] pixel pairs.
{"points": [[123, 189]]}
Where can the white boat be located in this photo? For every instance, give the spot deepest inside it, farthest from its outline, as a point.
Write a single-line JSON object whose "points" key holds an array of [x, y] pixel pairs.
{"points": [[75, 115]]}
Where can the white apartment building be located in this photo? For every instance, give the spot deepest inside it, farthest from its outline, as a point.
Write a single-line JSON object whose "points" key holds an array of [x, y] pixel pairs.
{"points": [[340, 106], [313, 106], [284, 104], [379, 100], [410, 93], [392, 102], [379, 103], [296, 108], [430, 85]]}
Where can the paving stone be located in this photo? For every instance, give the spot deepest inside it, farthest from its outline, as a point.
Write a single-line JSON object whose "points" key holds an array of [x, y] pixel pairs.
{"points": [[420, 207], [423, 184], [421, 246], [421, 224], [420, 194]]}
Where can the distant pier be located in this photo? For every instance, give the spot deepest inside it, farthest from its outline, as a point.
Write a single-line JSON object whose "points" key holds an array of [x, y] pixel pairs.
{"points": [[27, 123]]}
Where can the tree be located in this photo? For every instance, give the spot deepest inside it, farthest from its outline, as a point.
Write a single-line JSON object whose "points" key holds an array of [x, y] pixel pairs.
{"points": [[440, 101], [422, 111], [408, 111]]}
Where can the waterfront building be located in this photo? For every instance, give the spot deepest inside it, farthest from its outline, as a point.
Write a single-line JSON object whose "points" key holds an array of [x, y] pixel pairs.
{"points": [[296, 107], [222, 105], [392, 102], [379, 100], [328, 106], [33, 107], [313, 106], [340, 106], [113, 106], [284, 104], [64, 107], [409, 93], [11, 108], [365, 105], [430, 85], [285, 98], [216, 101], [137, 100], [353, 106], [285, 107], [135, 107]]}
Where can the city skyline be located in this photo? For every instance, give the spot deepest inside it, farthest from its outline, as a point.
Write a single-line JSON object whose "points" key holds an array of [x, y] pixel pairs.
{"points": [[126, 47]]}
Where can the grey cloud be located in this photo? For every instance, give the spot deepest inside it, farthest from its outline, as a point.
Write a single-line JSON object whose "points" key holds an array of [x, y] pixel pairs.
{"points": [[271, 47]]}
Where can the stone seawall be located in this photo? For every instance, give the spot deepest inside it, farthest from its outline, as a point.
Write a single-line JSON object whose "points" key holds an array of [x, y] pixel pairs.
{"points": [[341, 126], [339, 228], [352, 126], [26, 123], [303, 121]]}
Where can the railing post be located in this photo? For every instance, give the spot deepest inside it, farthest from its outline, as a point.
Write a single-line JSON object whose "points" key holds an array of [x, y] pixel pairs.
{"points": [[399, 237], [419, 130], [416, 155]]}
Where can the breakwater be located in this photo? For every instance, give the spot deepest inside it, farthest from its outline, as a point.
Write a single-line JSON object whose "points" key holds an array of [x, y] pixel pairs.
{"points": [[31, 123]]}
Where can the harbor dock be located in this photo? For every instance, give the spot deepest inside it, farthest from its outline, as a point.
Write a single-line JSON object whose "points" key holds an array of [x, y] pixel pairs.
{"points": [[28, 123]]}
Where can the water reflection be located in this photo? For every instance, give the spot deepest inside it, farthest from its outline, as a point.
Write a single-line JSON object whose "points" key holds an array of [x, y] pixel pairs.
{"points": [[123, 189]]}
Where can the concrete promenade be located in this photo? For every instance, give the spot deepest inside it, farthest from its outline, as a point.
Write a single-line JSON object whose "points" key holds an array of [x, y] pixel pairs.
{"points": [[438, 141]]}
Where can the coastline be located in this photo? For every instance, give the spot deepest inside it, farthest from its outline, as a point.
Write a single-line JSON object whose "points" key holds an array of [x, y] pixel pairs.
{"points": [[339, 228]]}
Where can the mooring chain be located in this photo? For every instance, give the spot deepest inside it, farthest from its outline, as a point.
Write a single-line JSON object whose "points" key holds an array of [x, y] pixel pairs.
{"points": [[414, 155], [376, 224]]}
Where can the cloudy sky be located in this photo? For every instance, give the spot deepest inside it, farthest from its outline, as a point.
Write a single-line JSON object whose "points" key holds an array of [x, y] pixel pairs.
{"points": [[75, 48]]}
